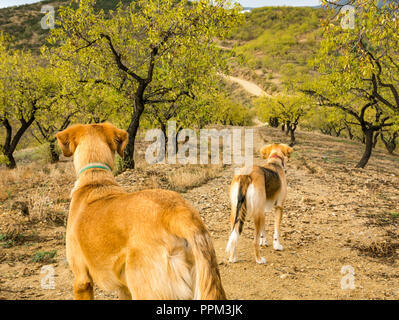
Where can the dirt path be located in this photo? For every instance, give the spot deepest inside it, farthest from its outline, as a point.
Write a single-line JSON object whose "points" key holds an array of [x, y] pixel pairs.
{"points": [[329, 223], [335, 216], [249, 86]]}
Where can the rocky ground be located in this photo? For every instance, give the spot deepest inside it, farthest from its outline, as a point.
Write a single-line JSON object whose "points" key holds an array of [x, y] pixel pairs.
{"points": [[335, 216]]}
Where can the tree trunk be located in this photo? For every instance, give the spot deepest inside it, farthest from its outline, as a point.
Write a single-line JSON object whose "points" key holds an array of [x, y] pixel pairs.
{"points": [[390, 143], [368, 135], [274, 123], [176, 142], [11, 142], [283, 127], [163, 129], [292, 131], [349, 132], [338, 132], [288, 128], [375, 139], [54, 156], [364, 139], [11, 164], [128, 160]]}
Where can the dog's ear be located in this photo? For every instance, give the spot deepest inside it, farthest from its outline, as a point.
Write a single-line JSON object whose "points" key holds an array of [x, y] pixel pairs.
{"points": [[67, 140], [287, 150], [265, 151], [116, 138], [121, 140]]}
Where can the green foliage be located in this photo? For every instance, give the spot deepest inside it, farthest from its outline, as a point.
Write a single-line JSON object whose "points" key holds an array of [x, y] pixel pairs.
{"points": [[358, 70], [44, 256], [225, 111], [4, 160], [288, 109], [359, 65], [147, 53], [277, 18], [29, 89], [8, 240], [279, 40]]}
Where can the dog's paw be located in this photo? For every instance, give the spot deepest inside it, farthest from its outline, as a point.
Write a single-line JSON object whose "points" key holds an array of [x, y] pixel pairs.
{"points": [[261, 261], [263, 242], [277, 246]]}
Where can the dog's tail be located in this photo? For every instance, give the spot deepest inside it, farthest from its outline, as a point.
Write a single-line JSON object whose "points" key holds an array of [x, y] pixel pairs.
{"points": [[238, 208], [241, 207], [188, 225]]}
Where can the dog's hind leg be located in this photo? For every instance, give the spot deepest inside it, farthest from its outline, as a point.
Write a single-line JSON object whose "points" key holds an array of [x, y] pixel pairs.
{"points": [[259, 220], [263, 240], [235, 225], [277, 222], [231, 247]]}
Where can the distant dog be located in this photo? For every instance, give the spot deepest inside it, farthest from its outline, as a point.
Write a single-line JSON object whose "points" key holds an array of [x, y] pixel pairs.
{"points": [[146, 245], [256, 191]]}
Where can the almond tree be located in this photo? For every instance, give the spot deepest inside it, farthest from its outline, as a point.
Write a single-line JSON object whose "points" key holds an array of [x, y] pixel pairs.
{"points": [[358, 68], [134, 47], [390, 139], [289, 110], [26, 88]]}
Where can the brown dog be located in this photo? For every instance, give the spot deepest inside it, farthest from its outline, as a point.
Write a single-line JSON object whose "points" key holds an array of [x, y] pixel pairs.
{"points": [[145, 245], [257, 190]]}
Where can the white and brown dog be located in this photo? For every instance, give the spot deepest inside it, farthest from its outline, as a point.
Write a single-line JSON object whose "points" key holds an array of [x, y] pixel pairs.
{"points": [[258, 190]]}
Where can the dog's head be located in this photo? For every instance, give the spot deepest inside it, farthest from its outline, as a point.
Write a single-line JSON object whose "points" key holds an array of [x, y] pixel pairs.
{"points": [[92, 143], [282, 151]]}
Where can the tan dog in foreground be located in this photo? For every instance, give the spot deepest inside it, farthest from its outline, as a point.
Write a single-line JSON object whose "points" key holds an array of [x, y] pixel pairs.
{"points": [[146, 245], [256, 191]]}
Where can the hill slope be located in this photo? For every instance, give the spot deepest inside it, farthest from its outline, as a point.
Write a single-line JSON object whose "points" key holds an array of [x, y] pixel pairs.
{"points": [[275, 44], [272, 38], [23, 22]]}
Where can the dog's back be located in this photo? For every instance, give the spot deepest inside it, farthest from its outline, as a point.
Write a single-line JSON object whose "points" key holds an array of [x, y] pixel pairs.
{"points": [[146, 245], [252, 193], [258, 188], [151, 242]]}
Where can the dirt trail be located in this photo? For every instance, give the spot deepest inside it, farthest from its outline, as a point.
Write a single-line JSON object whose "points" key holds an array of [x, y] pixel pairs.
{"points": [[330, 221], [335, 216], [250, 87]]}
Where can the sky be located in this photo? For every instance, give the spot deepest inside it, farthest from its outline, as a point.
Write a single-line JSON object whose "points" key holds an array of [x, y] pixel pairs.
{"points": [[9, 3], [244, 3]]}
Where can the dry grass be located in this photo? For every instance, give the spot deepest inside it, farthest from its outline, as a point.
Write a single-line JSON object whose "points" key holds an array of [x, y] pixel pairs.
{"points": [[33, 193], [379, 249], [188, 177]]}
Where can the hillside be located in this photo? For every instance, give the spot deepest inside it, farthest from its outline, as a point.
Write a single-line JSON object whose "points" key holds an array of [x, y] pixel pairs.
{"points": [[275, 43], [23, 22]]}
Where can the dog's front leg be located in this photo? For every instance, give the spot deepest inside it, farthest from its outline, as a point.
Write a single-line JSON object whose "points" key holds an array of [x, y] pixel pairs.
{"points": [[124, 294], [83, 290], [277, 221]]}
